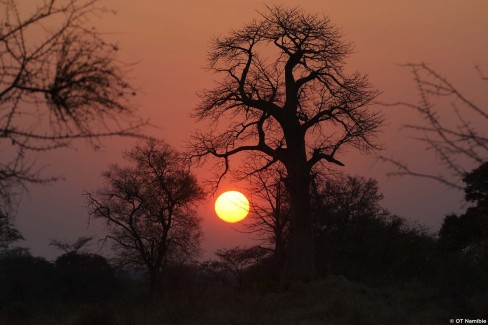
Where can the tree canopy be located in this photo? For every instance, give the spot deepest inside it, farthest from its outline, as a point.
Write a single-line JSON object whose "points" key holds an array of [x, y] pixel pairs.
{"points": [[148, 208]]}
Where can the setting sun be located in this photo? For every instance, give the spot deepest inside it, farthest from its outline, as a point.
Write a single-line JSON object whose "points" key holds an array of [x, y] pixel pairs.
{"points": [[232, 206]]}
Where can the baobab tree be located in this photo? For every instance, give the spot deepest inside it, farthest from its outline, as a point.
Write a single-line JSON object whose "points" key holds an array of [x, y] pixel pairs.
{"points": [[286, 99], [59, 81]]}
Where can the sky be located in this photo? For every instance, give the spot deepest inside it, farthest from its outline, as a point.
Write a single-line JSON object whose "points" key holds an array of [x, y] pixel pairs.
{"points": [[166, 44]]}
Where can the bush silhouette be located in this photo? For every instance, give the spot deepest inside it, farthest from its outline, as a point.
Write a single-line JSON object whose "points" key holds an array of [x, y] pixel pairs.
{"points": [[24, 278], [86, 277]]}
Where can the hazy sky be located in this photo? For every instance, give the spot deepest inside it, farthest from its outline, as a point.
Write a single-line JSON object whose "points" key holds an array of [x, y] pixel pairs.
{"points": [[168, 41]]}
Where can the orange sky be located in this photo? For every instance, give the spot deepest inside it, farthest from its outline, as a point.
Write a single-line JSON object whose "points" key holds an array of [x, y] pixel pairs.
{"points": [[168, 44]]}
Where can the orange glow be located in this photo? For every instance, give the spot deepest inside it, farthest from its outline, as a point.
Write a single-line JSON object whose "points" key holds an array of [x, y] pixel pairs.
{"points": [[232, 206]]}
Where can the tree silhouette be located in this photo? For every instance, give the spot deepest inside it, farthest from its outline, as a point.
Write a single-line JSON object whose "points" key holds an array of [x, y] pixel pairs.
{"points": [[286, 99], [78, 246], [469, 231], [361, 240], [456, 146], [59, 81], [269, 212], [148, 208], [347, 197], [476, 190], [237, 260], [84, 276], [25, 279], [463, 239], [8, 232]]}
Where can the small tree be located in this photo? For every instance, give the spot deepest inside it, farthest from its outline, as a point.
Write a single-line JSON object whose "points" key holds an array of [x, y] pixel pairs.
{"points": [[148, 208], [270, 210], [59, 81], [347, 197], [237, 260], [286, 100]]}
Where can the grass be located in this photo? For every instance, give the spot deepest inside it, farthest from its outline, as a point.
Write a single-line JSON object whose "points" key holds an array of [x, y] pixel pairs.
{"points": [[333, 301]]}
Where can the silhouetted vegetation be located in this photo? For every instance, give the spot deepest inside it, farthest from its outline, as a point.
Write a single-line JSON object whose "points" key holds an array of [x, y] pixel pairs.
{"points": [[330, 253], [373, 267], [84, 277], [148, 208], [463, 239], [286, 99], [8, 233], [63, 84], [269, 215], [24, 278], [359, 239]]}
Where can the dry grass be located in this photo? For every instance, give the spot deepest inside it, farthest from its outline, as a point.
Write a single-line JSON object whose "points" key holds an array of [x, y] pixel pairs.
{"points": [[334, 301]]}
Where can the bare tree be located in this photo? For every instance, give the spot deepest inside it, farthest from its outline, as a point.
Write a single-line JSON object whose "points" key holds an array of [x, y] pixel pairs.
{"points": [[270, 209], [458, 146], [286, 100], [148, 209], [59, 81]]}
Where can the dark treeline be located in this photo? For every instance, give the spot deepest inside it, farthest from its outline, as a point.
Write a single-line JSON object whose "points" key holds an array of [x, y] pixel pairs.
{"points": [[357, 238], [362, 252], [73, 276]]}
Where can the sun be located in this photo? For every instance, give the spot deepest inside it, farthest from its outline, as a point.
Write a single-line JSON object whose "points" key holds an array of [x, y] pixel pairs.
{"points": [[232, 206]]}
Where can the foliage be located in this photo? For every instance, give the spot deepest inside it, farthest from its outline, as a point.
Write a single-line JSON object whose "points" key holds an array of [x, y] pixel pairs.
{"points": [[461, 233], [8, 233], [24, 278], [84, 277], [285, 99], [57, 84], [476, 189], [347, 197], [359, 239], [33, 285], [354, 235], [148, 208], [463, 239]]}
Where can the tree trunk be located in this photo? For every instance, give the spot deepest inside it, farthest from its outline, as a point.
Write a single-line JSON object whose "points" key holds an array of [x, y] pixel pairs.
{"points": [[300, 258]]}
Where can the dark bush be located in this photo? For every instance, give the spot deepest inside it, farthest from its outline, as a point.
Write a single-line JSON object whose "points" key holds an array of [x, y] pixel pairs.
{"points": [[24, 278], [86, 277], [374, 249]]}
